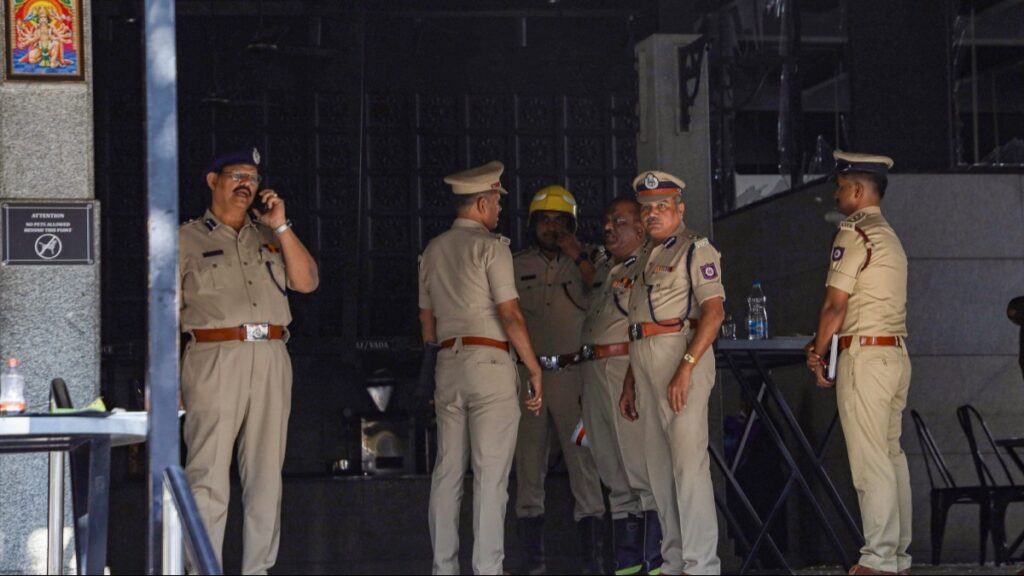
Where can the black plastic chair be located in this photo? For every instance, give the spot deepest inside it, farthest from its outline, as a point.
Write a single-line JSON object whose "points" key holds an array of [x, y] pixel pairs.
{"points": [[999, 494], [948, 493]]}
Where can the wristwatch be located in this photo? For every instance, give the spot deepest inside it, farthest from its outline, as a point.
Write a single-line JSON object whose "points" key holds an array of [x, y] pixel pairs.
{"points": [[689, 359], [582, 257]]}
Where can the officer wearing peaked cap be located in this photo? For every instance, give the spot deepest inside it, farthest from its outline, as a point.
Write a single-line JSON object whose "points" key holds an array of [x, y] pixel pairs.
{"points": [[675, 310], [469, 307], [866, 306], [235, 270]]}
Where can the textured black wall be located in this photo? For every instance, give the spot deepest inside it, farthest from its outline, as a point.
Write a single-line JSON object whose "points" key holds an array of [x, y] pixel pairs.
{"points": [[898, 53], [359, 114]]}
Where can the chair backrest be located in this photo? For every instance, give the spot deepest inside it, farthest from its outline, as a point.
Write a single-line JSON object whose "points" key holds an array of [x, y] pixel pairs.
{"points": [[966, 414], [59, 394], [932, 454]]}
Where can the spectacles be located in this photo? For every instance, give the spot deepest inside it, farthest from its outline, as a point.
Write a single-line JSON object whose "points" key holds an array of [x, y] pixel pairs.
{"points": [[242, 177]]}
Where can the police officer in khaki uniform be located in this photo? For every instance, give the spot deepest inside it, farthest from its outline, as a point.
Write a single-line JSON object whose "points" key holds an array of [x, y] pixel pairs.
{"points": [[675, 310], [866, 305], [235, 269], [468, 305], [553, 279], [616, 443]]}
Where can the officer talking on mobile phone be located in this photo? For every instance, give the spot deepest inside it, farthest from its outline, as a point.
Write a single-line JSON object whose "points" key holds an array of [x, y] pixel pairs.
{"points": [[237, 265]]}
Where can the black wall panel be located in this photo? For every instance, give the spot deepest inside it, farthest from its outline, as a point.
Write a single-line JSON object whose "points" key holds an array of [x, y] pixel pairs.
{"points": [[359, 114]]}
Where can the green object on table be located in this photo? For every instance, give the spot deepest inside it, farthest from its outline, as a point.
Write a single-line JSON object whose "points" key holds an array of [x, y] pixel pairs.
{"points": [[97, 405]]}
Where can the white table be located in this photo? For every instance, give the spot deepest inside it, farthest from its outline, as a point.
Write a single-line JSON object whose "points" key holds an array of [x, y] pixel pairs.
{"points": [[88, 437]]}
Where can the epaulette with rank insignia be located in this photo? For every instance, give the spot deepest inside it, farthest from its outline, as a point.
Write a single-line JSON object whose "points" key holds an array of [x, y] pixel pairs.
{"points": [[702, 243], [846, 225], [504, 239]]}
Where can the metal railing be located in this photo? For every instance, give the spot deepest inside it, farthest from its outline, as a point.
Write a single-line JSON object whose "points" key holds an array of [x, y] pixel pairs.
{"points": [[183, 533]]}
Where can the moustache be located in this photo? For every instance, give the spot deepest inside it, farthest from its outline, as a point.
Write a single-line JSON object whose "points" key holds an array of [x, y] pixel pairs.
{"points": [[242, 189], [651, 222]]}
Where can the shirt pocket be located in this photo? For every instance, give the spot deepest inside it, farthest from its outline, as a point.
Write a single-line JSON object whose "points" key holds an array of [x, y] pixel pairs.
{"points": [[574, 291], [212, 275], [659, 276], [531, 290], [278, 275]]}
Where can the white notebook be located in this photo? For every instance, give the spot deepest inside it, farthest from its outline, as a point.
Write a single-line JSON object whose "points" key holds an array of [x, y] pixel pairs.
{"points": [[833, 357]]}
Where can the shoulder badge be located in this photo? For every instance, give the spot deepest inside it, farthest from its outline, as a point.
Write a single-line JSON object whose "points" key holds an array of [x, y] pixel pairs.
{"points": [[856, 217], [504, 239], [848, 225], [702, 243]]}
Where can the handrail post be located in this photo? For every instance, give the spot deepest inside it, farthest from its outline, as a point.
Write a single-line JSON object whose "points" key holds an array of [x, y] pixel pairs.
{"points": [[163, 298]]}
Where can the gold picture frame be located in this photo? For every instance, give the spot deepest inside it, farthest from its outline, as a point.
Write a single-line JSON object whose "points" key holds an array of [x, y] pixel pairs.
{"points": [[44, 40]]}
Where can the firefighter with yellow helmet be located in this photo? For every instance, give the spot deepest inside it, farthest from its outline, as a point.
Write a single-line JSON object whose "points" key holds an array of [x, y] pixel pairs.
{"points": [[553, 279]]}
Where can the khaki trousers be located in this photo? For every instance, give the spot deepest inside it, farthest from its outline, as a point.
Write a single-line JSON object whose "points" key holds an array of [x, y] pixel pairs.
{"points": [[559, 414], [238, 391], [871, 390], [477, 417], [678, 464], [616, 444]]}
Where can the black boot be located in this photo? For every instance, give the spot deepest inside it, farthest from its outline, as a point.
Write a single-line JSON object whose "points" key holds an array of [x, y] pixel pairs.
{"points": [[592, 544], [629, 544], [652, 542], [531, 538]]}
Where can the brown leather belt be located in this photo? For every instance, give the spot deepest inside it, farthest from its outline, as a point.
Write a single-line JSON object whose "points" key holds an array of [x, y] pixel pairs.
{"points": [[648, 329], [245, 333], [477, 341], [599, 351], [846, 341]]}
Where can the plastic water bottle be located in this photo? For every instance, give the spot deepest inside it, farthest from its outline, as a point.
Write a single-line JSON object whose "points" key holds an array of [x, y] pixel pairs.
{"points": [[757, 313], [12, 388]]}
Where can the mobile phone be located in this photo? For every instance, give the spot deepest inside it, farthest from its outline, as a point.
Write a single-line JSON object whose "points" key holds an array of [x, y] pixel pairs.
{"points": [[259, 204]]}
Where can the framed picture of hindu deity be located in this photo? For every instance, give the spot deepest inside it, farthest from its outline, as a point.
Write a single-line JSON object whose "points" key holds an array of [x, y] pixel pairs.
{"points": [[44, 40]]}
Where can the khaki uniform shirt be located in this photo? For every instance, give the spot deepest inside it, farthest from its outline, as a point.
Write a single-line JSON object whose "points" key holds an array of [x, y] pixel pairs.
{"points": [[464, 274], [662, 283], [553, 300], [869, 264], [230, 278], [607, 320]]}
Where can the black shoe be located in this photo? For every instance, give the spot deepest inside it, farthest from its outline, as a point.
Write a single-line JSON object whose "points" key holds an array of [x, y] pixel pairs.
{"points": [[531, 538], [592, 544], [629, 545], [652, 542]]}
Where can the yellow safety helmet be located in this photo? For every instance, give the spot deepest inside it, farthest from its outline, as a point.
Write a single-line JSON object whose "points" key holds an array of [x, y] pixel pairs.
{"points": [[556, 199]]}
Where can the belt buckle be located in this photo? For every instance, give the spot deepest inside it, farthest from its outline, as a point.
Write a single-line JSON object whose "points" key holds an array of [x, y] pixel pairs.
{"points": [[548, 362], [636, 332], [587, 352], [257, 332]]}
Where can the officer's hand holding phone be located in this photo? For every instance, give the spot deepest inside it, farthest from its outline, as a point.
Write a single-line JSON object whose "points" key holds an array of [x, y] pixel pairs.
{"points": [[269, 208]]}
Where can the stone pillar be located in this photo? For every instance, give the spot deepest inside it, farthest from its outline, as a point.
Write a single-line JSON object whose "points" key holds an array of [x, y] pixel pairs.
{"points": [[666, 141], [49, 315]]}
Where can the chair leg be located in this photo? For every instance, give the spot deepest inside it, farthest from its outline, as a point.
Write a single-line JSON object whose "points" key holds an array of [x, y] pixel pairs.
{"points": [[984, 523], [940, 507], [999, 530]]}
